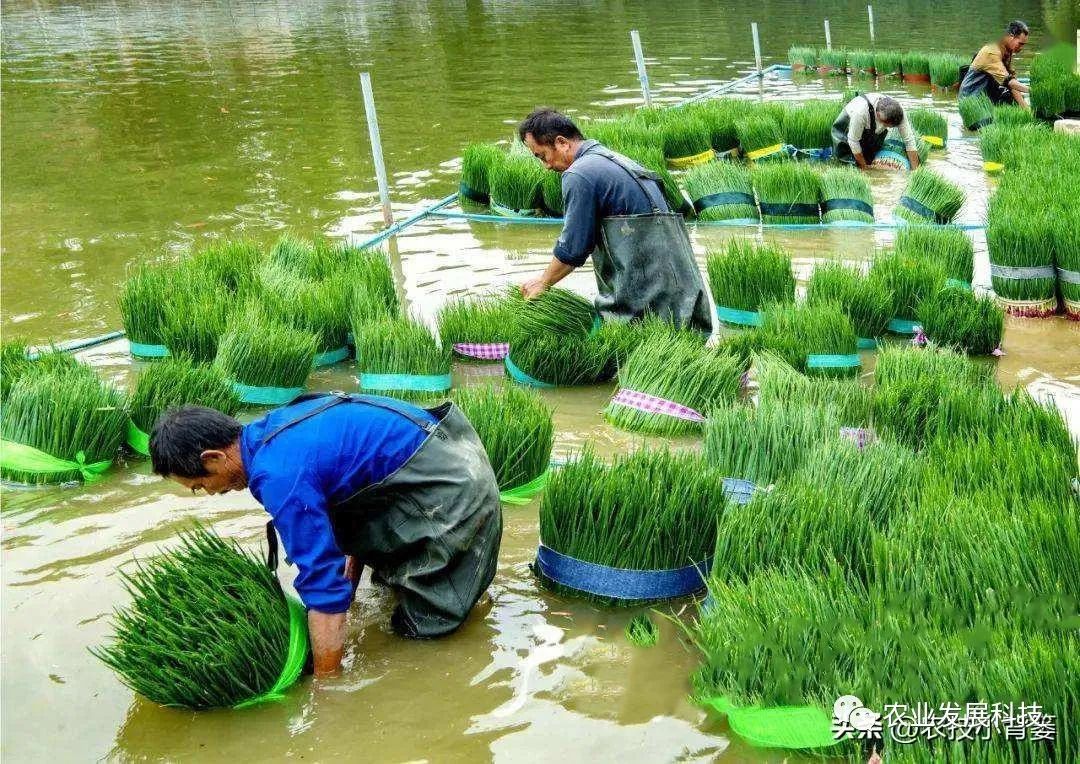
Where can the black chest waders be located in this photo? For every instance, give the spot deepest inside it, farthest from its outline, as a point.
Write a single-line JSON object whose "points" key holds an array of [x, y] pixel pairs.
{"points": [[431, 529], [869, 141], [644, 264]]}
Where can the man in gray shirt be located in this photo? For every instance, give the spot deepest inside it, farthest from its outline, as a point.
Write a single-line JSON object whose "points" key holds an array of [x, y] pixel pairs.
{"points": [[645, 269], [860, 130]]}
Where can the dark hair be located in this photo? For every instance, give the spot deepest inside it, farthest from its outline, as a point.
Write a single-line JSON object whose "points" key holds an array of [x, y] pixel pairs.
{"points": [[181, 435], [1016, 28], [546, 125], [890, 110]]}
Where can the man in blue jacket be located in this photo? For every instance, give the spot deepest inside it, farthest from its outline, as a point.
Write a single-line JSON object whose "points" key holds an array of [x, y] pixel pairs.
{"points": [[354, 480]]}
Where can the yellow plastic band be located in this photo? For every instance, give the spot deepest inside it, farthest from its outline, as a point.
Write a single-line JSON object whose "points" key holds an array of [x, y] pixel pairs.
{"points": [[764, 152], [681, 163], [993, 166], [934, 140]]}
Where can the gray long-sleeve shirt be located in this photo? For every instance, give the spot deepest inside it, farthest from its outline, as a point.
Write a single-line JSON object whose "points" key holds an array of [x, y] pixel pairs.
{"points": [[859, 120], [593, 188]]}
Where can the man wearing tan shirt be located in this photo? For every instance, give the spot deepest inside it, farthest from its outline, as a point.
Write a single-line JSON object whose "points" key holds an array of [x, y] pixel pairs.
{"points": [[991, 71]]}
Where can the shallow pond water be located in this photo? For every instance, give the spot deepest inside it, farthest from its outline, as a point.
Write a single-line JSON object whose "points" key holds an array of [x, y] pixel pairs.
{"points": [[133, 128]]}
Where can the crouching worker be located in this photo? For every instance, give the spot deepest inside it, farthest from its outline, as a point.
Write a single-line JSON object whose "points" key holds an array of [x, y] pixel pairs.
{"points": [[859, 132], [355, 480], [992, 72]]}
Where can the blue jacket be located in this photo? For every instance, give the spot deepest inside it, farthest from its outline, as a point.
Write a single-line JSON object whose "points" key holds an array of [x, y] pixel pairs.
{"points": [[313, 464]]}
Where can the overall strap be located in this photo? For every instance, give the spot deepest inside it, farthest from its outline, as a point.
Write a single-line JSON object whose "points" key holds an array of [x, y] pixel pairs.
{"points": [[332, 399], [397, 407], [271, 546], [337, 397], [872, 114], [649, 175]]}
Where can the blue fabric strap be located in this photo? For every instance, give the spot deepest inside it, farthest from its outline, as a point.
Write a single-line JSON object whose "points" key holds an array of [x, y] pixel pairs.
{"points": [[892, 156], [866, 343], [727, 197], [831, 361], [144, 350], [620, 583], [267, 396], [518, 375], [739, 491], [741, 317], [423, 383], [902, 326], [329, 357], [815, 155]]}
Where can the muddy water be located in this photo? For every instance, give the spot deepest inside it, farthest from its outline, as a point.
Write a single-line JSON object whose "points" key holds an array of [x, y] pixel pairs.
{"points": [[133, 128]]}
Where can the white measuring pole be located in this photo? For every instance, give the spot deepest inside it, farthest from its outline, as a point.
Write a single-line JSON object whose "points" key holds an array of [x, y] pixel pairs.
{"points": [[870, 13], [642, 75], [376, 147], [828, 36], [757, 46]]}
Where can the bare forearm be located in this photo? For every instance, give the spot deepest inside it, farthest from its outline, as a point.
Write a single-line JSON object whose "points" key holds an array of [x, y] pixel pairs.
{"points": [[556, 271], [1017, 93], [913, 158], [553, 274], [327, 633], [860, 160]]}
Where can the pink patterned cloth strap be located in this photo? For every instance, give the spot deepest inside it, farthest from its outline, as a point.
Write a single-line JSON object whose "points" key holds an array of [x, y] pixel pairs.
{"points": [[654, 405], [488, 351]]}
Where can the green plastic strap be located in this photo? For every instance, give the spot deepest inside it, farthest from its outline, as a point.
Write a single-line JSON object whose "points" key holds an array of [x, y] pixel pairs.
{"points": [[24, 458], [848, 204], [792, 727], [902, 326], [922, 210], [137, 439], [294, 659], [866, 343], [523, 494], [725, 197], [330, 357], [422, 383], [470, 193], [832, 361], [958, 283], [267, 396], [518, 375], [792, 209], [510, 212], [146, 350], [741, 317]]}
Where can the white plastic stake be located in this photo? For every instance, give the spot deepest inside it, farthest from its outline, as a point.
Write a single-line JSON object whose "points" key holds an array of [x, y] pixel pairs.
{"points": [[828, 36], [757, 46], [870, 13], [642, 75], [376, 147]]}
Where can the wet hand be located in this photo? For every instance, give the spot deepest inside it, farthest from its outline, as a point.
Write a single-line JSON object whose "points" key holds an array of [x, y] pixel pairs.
{"points": [[533, 288]]}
